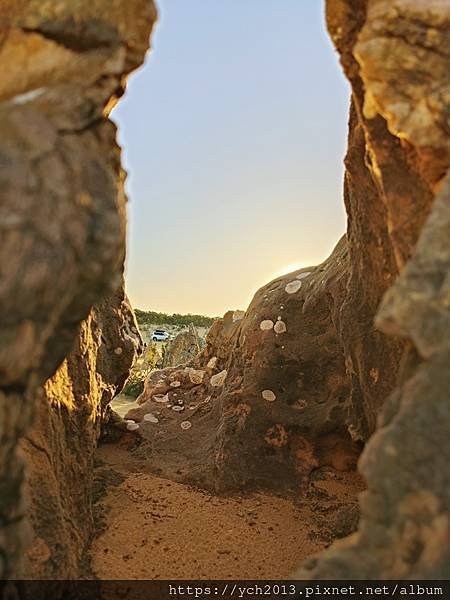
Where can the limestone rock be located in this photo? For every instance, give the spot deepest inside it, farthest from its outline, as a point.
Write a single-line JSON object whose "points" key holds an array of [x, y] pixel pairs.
{"points": [[185, 346], [270, 398], [62, 206], [59, 447], [397, 59]]}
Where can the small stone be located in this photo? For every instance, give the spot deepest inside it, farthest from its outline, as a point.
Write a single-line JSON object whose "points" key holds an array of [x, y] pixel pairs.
{"points": [[266, 325], [186, 425], [118, 351], [219, 379], [175, 384], [196, 377], [131, 426], [212, 362], [293, 287], [268, 395]]}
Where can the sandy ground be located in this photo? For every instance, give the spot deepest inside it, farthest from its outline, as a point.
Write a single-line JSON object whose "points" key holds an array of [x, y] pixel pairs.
{"points": [[154, 528]]}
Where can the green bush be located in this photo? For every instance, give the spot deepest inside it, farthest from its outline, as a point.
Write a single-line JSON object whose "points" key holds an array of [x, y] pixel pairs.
{"points": [[140, 371]]}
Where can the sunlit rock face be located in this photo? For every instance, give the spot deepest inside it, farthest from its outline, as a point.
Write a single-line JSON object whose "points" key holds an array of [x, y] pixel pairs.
{"points": [[268, 397], [62, 207], [396, 56], [59, 448]]}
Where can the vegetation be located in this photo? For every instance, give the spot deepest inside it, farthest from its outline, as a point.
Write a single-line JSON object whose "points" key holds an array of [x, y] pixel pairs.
{"points": [[149, 317], [140, 371]]}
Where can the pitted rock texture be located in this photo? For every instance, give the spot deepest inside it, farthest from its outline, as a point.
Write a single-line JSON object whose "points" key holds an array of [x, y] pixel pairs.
{"points": [[59, 448], [397, 58], [269, 395], [62, 208]]}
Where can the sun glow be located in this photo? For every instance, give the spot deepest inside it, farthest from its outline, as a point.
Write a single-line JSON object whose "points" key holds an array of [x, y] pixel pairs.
{"points": [[290, 268]]}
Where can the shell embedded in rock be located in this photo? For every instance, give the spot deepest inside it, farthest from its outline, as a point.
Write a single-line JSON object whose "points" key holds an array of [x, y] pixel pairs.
{"points": [[268, 395], [186, 425], [175, 384], [280, 327], [132, 426], [151, 418], [266, 325], [178, 408], [161, 398], [293, 287]]}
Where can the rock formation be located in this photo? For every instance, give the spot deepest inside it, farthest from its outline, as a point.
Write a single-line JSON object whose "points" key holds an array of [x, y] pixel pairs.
{"points": [[304, 377], [269, 395], [62, 208], [397, 58], [324, 363], [185, 346], [59, 448]]}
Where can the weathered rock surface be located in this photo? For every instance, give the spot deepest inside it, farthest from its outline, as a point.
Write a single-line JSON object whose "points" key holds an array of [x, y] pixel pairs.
{"points": [[304, 376], [59, 448], [397, 58], [183, 348], [62, 208], [269, 395]]}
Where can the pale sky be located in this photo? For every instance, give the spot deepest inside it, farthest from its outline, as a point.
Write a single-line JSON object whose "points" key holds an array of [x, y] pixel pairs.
{"points": [[234, 133]]}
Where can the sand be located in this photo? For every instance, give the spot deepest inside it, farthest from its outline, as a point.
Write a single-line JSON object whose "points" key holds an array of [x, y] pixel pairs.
{"points": [[154, 528]]}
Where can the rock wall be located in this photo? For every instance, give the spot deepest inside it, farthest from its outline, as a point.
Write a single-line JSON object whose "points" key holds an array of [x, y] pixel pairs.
{"points": [[397, 57], [277, 408], [59, 448], [62, 208]]}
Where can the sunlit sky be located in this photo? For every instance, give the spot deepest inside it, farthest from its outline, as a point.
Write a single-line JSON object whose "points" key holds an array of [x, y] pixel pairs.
{"points": [[234, 133]]}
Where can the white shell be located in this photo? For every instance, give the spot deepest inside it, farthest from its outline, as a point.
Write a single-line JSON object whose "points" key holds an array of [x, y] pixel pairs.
{"points": [[268, 395], [280, 327], [186, 425], [151, 418], [266, 325], [177, 408], [293, 287], [132, 426]]}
